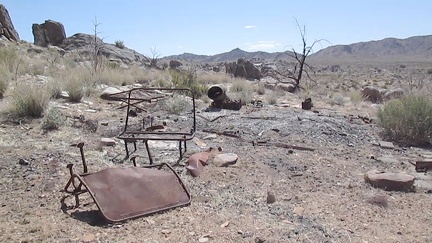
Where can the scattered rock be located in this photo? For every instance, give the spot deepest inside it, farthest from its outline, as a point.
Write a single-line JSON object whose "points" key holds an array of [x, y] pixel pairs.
{"points": [[23, 162], [386, 145], [390, 181], [388, 159], [225, 160], [394, 94], [106, 94], [286, 87], [203, 239], [174, 64], [377, 199], [259, 240], [89, 238], [210, 136], [298, 210], [200, 143], [271, 198], [225, 224], [108, 142]]}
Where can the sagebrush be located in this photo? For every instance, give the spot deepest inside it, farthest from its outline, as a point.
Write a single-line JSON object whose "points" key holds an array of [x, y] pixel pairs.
{"points": [[29, 100], [407, 120]]}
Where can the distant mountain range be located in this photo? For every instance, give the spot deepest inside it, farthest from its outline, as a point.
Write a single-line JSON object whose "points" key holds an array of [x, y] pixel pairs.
{"points": [[413, 49]]}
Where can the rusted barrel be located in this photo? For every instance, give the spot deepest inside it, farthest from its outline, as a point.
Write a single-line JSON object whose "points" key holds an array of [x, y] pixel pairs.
{"points": [[217, 94]]}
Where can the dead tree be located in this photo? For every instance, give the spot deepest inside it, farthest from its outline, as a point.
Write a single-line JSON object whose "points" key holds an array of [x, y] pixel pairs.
{"points": [[154, 57], [300, 67]]}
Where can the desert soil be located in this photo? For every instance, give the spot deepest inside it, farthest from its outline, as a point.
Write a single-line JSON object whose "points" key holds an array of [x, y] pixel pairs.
{"points": [[321, 195]]}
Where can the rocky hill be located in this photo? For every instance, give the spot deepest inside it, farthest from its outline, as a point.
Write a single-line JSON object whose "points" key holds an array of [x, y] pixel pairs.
{"points": [[231, 56], [417, 48]]}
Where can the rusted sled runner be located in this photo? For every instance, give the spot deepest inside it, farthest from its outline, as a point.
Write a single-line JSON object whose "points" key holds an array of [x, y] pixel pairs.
{"points": [[126, 193]]}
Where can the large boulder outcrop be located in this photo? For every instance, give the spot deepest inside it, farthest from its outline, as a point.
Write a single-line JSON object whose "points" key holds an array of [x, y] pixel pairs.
{"points": [[49, 33], [85, 44], [372, 94], [243, 69], [7, 29]]}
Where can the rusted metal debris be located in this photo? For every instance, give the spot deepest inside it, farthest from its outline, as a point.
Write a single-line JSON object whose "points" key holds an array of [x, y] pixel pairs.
{"points": [[233, 134], [221, 100], [307, 104], [126, 193], [423, 165], [197, 161], [281, 145], [134, 100]]}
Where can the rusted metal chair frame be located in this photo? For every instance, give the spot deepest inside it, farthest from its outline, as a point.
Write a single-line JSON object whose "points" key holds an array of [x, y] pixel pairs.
{"points": [[76, 186], [129, 136]]}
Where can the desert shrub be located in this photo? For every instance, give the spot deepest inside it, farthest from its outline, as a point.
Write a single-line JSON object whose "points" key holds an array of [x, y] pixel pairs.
{"points": [[177, 104], [271, 99], [29, 100], [356, 97], [9, 57], [260, 89], [55, 88], [119, 44], [5, 76], [53, 119], [188, 79], [75, 87], [338, 99], [241, 85], [407, 120], [113, 65]]}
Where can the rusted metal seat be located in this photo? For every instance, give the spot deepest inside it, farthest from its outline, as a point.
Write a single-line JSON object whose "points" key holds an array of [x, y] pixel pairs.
{"points": [[126, 193], [135, 101]]}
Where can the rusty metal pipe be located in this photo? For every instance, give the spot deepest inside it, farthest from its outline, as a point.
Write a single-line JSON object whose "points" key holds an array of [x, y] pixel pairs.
{"points": [[217, 94], [80, 146]]}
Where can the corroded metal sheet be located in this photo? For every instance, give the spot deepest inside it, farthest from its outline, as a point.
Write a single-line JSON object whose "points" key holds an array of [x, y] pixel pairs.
{"points": [[125, 193]]}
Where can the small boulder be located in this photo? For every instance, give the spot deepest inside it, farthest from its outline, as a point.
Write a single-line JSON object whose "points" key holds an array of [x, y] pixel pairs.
{"points": [[390, 181], [394, 94], [106, 94], [286, 87], [271, 198], [225, 160], [307, 104], [108, 142]]}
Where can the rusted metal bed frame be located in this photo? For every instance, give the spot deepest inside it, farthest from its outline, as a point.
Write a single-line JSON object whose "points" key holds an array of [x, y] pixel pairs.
{"points": [[132, 136], [126, 193]]}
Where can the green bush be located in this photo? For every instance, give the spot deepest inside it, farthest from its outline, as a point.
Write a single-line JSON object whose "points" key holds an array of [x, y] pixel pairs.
{"points": [[188, 79], [53, 119], [407, 120], [29, 100], [119, 44]]}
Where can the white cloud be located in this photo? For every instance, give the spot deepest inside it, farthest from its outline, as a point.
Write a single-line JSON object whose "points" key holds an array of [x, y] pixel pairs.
{"points": [[250, 26], [180, 47], [262, 45]]}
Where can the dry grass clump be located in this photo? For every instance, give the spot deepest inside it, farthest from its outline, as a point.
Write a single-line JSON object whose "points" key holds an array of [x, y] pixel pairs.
{"points": [[114, 76], [214, 78], [407, 120], [177, 104], [338, 99], [9, 57], [260, 89], [356, 97], [243, 90], [75, 87], [55, 88], [271, 99], [5, 77], [29, 100]]}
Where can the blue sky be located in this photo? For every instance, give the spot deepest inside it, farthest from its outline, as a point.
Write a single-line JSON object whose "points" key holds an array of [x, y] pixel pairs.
{"points": [[212, 27]]}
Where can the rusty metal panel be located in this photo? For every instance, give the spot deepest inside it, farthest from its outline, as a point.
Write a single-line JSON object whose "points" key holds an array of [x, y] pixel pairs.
{"points": [[125, 193]]}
